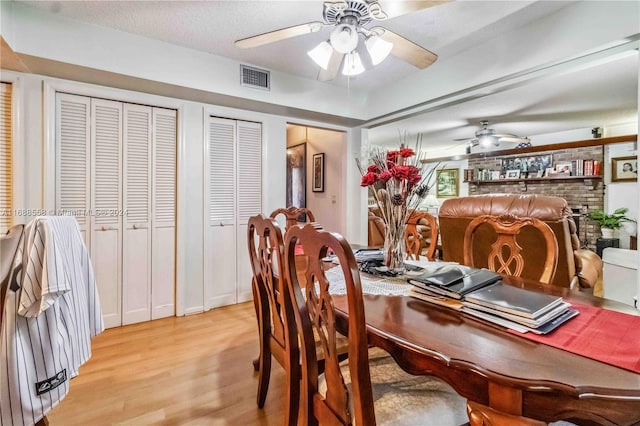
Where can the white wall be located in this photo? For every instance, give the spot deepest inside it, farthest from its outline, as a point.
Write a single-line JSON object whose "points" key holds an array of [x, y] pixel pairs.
{"points": [[327, 206], [621, 194], [35, 98]]}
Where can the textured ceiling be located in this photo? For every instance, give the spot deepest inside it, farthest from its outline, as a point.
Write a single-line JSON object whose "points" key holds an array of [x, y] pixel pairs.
{"points": [[213, 26], [601, 95]]}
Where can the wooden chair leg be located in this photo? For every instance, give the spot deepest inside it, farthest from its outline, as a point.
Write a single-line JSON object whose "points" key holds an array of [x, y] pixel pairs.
{"points": [[292, 398], [263, 379]]}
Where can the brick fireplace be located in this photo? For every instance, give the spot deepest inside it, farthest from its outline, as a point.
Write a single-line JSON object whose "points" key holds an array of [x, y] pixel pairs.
{"points": [[582, 195]]}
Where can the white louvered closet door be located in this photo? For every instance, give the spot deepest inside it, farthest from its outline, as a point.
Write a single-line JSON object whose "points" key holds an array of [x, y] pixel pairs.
{"points": [[6, 168], [164, 213], [73, 159], [106, 204], [136, 239], [220, 213], [249, 178]]}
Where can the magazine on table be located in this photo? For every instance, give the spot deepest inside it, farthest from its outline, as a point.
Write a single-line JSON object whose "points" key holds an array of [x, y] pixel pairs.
{"points": [[511, 325], [455, 281], [516, 301], [533, 323]]}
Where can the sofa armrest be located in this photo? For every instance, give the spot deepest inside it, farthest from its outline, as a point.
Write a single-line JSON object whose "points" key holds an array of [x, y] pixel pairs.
{"points": [[588, 267]]}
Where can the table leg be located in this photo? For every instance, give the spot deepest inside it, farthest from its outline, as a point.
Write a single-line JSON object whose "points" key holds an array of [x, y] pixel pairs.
{"points": [[481, 415], [505, 408]]}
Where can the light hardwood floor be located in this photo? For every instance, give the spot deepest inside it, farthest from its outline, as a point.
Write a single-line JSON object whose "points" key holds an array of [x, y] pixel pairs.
{"points": [[193, 370]]}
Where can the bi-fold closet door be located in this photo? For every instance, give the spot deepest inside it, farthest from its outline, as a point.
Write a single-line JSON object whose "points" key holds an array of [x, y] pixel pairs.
{"points": [[233, 193], [116, 161]]}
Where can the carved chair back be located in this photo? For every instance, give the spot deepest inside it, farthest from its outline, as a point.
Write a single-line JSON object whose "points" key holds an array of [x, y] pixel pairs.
{"points": [[416, 239], [313, 311], [293, 215], [505, 256], [276, 324]]}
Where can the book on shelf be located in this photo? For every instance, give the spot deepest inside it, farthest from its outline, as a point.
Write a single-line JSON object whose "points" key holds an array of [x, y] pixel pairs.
{"points": [[454, 281], [515, 301]]}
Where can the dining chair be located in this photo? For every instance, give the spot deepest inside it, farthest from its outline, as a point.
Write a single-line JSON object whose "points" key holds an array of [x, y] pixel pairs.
{"points": [[421, 233], [505, 255], [276, 325], [293, 215], [369, 386]]}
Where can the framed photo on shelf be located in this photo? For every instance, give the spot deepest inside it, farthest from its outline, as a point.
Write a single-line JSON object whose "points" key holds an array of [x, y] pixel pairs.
{"points": [[531, 164], [624, 169], [317, 183], [447, 183], [564, 168], [513, 174]]}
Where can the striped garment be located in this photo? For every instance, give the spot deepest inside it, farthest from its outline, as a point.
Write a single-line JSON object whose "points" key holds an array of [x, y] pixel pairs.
{"points": [[51, 311]]}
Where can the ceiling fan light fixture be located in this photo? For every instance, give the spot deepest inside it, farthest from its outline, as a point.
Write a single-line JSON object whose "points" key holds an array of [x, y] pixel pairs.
{"points": [[378, 48], [321, 54], [344, 38], [352, 64], [487, 140]]}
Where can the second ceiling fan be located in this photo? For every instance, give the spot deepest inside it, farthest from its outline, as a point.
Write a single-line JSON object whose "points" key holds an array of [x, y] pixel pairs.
{"points": [[486, 137], [350, 19]]}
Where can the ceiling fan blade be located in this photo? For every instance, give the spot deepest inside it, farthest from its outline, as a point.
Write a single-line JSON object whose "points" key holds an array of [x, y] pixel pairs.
{"points": [[393, 8], [332, 69], [406, 49], [277, 35], [462, 139]]}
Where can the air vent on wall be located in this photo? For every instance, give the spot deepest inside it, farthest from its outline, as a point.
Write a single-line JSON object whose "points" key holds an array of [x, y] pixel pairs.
{"points": [[254, 77]]}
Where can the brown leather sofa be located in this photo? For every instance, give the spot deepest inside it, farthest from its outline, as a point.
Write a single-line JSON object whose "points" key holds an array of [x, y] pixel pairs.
{"points": [[375, 230], [574, 264]]}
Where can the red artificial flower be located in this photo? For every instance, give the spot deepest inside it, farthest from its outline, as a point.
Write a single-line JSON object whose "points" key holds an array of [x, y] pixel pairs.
{"points": [[393, 156], [368, 179], [415, 179], [373, 169], [384, 176], [401, 172], [406, 152]]}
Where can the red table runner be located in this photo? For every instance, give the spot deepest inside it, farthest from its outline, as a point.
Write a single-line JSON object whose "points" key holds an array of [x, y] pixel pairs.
{"points": [[607, 336]]}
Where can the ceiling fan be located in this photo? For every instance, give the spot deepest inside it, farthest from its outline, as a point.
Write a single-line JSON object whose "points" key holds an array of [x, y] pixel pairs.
{"points": [[487, 137], [349, 19]]}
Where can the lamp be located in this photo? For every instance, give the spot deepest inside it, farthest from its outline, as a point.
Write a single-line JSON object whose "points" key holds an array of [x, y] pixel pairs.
{"points": [[344, 38], [321, 54], [488, 140], [378, 48], [352, 64]]}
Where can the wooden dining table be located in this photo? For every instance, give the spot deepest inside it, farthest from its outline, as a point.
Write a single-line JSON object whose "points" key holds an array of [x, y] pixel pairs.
{"points": [[499, 371]]}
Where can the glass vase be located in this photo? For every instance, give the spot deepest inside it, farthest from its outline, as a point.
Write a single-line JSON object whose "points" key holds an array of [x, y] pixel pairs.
{"points": [[394, 247]]}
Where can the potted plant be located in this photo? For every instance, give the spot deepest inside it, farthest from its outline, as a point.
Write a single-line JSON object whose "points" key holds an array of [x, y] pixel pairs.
{"points": [[610, 222]]}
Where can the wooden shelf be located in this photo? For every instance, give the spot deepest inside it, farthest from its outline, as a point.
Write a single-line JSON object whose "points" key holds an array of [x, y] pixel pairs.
{"points": [[539, 148], [533, 179]]}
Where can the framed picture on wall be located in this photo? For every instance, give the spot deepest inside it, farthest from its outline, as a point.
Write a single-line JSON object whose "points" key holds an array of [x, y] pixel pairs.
{"points": [[317, 182], [447, 183], [297, 177], [624, 169]]}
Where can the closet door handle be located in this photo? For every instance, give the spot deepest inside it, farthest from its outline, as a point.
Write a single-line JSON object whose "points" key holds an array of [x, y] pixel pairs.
{"points": [[107, 228]]}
